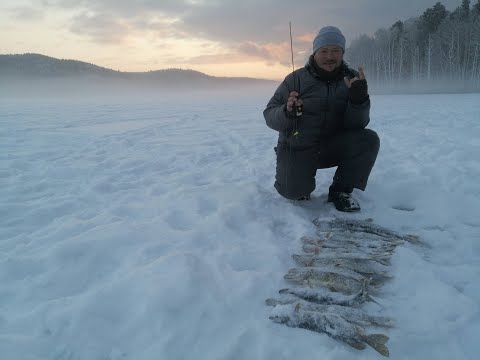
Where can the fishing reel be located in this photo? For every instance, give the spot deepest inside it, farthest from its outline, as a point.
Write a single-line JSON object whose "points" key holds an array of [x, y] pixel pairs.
{"points": [[298, 108]]}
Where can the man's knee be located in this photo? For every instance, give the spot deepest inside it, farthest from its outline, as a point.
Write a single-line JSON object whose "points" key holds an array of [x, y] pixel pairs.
{"points": [[372, 140], [295, 175], [295, 190]]}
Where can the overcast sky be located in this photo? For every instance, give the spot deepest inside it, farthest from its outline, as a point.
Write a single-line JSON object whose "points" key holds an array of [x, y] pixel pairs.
{"points": [[218, 37]]}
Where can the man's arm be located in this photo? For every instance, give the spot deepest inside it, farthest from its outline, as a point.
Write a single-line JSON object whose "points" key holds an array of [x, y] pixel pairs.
{"points": [[275, 113], [357, 114]]}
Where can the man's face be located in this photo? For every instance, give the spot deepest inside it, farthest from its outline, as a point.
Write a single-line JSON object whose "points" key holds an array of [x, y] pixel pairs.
{"points": [[329, 57]]}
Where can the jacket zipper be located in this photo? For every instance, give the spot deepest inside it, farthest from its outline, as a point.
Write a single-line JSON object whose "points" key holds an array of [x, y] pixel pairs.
{"points": [[325, 113]]}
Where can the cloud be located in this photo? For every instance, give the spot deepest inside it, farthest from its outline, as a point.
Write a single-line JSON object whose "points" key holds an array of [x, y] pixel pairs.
{"points": [[126, 8], [254, 50], [102, 28], [255, 28], [24, 13], [256, 20], [272, 53]]}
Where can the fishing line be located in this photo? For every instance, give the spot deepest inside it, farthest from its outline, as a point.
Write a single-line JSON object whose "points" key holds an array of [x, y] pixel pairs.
{"points": [[297, 112]]}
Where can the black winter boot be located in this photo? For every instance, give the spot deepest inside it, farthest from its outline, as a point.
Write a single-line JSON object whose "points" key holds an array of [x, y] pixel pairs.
{"points": [[343, 201]]}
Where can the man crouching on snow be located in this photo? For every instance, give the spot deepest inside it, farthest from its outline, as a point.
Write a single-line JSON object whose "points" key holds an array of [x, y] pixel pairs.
{"points": [[320, 112]]}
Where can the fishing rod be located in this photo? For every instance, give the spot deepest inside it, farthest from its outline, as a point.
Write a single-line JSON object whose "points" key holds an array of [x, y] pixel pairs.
{"points": [[298, 112], [298, 105]]}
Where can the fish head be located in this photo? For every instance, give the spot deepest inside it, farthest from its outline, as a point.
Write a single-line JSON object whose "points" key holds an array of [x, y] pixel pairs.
{"points": [[279, 319], [303, 260], [296, 275]]}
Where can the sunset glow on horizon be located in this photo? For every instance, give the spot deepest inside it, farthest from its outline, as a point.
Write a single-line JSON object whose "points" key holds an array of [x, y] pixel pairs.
{"points": [[219, 38]]}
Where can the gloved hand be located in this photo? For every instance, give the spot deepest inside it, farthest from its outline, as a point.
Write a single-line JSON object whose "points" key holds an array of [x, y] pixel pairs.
{"points": [[358, 92], [294, 106]]}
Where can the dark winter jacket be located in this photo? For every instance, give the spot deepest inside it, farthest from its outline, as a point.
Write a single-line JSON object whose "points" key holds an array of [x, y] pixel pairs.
{"points": [[327, 109]]}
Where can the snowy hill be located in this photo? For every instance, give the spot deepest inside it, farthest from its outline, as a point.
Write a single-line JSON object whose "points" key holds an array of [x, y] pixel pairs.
{"points": [[35, 66]]}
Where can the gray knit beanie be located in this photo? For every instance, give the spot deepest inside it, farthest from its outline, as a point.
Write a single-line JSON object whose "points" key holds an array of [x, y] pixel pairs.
{"points": [[329, 35]]}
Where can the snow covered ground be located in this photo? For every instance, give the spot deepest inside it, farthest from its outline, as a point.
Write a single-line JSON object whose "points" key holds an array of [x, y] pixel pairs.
{"points": [[150, 229]]}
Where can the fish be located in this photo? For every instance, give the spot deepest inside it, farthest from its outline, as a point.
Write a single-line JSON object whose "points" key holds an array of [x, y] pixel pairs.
{"points": [[353, 315], [332, 325], [375, 280], [314, 246], [324, 297], [343, 263], [365, 267], [363, 226], [383, 259], [308, 270], [336, 233], [363, 243], [345, 281], [348, 246], [325, 248], [359, 238]]}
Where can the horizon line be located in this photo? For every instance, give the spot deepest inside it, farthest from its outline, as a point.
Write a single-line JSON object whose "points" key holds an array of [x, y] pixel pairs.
{"points": [[140, 72]]}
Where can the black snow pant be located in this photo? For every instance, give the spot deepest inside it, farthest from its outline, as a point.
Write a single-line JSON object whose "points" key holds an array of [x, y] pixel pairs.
{"points": [[354, 152]]}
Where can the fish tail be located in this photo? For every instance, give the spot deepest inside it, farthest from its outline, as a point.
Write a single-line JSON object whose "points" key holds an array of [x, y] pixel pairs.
{"points": [[382, 260], [415, 240], [378, 342], [367, 297], [363, 294], [356, 344], [271, 302]]}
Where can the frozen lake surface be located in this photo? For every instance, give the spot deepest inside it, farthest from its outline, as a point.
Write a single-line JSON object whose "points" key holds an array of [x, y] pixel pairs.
{"points": [[150, 229]]}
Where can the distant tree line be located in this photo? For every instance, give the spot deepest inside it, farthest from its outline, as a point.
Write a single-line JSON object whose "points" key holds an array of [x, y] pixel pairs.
{"points": [[437, 46]]}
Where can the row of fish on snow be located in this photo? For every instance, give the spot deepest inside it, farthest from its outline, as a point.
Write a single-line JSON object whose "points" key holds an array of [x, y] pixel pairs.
{"points": [[340, 268]]}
